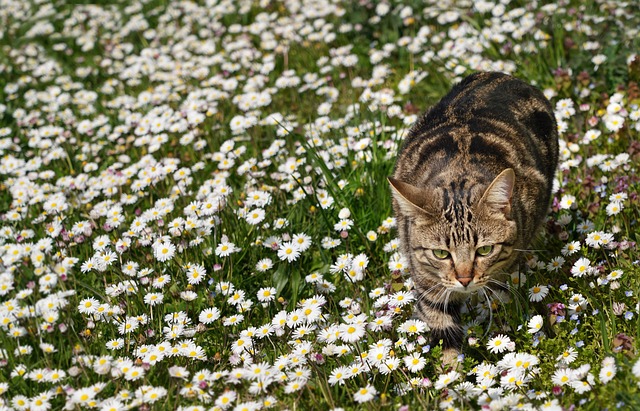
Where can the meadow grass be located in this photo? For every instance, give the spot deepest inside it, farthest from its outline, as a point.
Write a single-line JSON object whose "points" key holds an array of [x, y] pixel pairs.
{"points": [[195, 211]]}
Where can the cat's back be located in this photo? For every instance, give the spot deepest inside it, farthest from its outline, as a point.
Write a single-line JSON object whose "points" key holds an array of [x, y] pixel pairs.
{"points": [[491, 121], [488, 123]]}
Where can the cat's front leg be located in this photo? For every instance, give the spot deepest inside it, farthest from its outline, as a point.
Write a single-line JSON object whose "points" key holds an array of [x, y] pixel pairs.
{"points": [[444, 322]]}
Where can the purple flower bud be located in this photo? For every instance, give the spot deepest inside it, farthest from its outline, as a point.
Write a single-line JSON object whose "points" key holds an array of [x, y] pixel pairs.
{"points": [[318, 358]]}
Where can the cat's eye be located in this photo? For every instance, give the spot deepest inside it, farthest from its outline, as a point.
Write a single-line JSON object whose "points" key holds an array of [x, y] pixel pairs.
{"points": [[484, 250], [441, 254]]}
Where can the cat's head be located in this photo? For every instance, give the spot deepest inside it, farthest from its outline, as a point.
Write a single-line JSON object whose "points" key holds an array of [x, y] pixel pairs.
{"points": [[457, 237]]}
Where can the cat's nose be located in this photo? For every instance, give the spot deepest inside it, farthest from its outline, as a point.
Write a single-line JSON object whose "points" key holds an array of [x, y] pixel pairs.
{"points": [[465, 280]]}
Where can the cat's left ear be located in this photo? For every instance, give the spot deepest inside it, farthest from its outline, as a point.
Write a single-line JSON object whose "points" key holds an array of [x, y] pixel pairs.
{"points": [[498, 195]]}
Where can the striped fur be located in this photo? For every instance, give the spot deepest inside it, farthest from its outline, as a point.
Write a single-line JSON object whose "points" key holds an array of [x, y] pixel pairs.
{"points": [[475, 171]]}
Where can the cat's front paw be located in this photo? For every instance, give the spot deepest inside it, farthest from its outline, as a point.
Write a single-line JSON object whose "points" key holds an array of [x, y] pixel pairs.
{"points": [[450, 359]]}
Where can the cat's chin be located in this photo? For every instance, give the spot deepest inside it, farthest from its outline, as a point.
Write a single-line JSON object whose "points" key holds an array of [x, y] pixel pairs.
{"points": [[470, 289]]}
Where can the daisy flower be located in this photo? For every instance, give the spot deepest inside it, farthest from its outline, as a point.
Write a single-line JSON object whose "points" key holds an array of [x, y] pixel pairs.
{"points": [[115, 344], [380, 323], [445, 379], [414, 362], [391, 246], [594, 239], [538, 292], [195, 274], [237, 298], [608, 370], [288, 251], [397, 262], [365, 394], [339, 375], [563, 376], [351, 332], [233, 320], [359, 262], [377, 355], [164, 251], [225, 248], [255, 216], [413, 326], [585, 227], [161, 282], [613, 122], [571, 248], [568, 356], [401, 298], [567, 201], [580, 387], [518, 278], [619, 197], [280, 223], [343, 225], [555, 264], [614, 275], [581, 267], [535, 324], [591, 135], [266, 294], [302, 241], [313, 278], [500, 343], [264, 265], [88, 306], [209, 315], [153, 298], [614, 208], [329, 243], [390, 364]]}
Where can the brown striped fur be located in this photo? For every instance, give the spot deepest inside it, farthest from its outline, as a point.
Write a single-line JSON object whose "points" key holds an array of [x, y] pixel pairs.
{"points": [[475, 170]]}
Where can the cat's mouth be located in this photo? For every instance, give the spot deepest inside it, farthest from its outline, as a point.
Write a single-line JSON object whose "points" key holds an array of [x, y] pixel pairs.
{"points": [[466, 285]]}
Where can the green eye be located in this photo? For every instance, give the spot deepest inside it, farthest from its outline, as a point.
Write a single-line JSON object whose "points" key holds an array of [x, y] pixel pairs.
{"points": [[484, 250], [441, 254]]}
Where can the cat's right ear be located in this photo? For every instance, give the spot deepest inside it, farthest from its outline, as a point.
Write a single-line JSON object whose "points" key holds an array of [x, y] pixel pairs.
{"points": [[411, 199]]}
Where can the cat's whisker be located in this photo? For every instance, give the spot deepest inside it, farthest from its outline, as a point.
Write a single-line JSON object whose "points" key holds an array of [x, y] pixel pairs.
{"points": [[446, 300], [499, 298], [423, 294], [530, 250], [497, 295], [509, 288], [441, 297], [486, 297]]}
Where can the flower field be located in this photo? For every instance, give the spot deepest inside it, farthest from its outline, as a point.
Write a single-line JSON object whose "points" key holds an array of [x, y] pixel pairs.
{"points": [[195, 213]]}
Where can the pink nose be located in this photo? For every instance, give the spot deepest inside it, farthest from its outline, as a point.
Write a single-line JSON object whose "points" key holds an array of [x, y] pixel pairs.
{"points": [[465, 280]]}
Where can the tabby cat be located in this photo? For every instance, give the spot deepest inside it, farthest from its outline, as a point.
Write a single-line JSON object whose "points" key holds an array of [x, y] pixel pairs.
{"points": [[471, 185]]}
